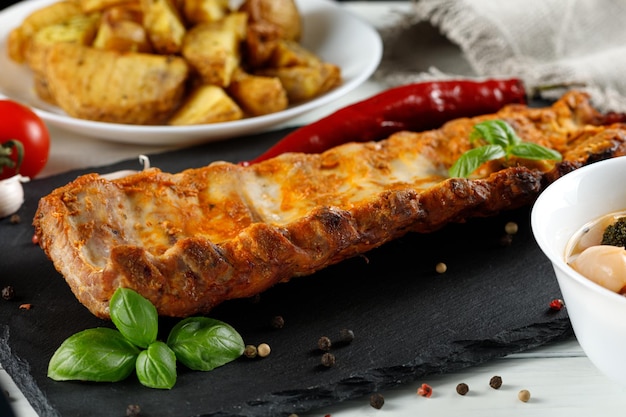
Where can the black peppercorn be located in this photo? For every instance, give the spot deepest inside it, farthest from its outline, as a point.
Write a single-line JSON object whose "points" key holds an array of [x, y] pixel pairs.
{"points": [[133, 410], [8, 292], [495, 382], [324, 343], [462, 388], [377, 401], [346, 335], [506, 240], [250, 351], [328, 360], [278, 322]]}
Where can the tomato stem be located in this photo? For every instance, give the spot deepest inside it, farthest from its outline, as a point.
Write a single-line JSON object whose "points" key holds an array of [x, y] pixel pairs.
{"points": [[6, 151]]}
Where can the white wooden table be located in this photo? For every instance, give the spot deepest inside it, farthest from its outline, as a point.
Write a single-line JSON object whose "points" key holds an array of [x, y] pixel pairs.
{"points": [[560, 378]]}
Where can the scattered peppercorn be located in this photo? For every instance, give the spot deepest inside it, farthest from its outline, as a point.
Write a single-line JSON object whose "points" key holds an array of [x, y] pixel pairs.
{"points": [[324, 343], [377, 400], [346, 335], [15, 219], [133, 410], [462, 388], [506, 240], [278, 322], [8, 293], [35, 240], [495, 382], [328, 360], [556, 304], [511, 228], [425, 390], [524, 395], [250, 351], [263, 350], [441, 268]]}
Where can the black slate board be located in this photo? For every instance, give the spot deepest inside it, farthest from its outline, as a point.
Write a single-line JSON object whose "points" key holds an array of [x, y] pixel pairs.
{"points": [[408, 320]]}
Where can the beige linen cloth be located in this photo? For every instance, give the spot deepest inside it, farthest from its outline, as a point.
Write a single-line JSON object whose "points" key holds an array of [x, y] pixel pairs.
{"points": [[543, 42]]}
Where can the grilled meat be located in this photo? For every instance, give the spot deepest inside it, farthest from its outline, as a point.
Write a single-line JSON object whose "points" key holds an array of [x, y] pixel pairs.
{"points": [[191, 240]]}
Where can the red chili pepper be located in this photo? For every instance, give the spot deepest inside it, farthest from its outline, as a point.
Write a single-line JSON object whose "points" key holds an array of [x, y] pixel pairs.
{"points": [[415, 107]]}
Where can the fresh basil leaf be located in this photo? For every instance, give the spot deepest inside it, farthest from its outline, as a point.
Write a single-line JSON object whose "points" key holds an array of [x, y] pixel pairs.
{"points": [[134, 316], [472, 159], [495, 132], [202, 343], [99, 354], [529, 150], [156, 366]]}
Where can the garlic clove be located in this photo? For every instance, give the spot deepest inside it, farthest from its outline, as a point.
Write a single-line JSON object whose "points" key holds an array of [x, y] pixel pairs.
{"points": [[143, 159], [11, 194]]}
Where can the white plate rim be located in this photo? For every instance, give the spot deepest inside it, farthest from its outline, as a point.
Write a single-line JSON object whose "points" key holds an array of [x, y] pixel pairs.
{"points": [[187, 135]]}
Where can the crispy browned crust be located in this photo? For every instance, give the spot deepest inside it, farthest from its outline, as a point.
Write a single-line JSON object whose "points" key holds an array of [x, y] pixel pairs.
{"points": [[192, 240]]}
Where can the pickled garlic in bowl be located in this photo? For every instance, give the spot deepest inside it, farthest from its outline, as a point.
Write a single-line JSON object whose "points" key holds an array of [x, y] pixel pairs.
{"points": [[601, 260]]}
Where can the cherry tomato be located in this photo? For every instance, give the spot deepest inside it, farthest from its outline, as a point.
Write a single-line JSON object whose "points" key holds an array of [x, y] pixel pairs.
{"points": [[19, 123]]}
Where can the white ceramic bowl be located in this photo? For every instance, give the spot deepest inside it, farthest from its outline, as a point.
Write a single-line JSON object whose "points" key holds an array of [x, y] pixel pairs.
{"points": [[598, 316], [333, 33]]}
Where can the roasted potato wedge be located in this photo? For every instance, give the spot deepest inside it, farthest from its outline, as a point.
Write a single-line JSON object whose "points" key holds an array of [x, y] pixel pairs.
{"points": [[305, 82], [204, 11], [115, 87], [207, 104], [258, 95], [126, 11], [213, 52], [236, 22], [260, 42], [282, 14], [49, 15], [90, 6], [122, 35], [79, 29], [292, 54], [164, 25]]}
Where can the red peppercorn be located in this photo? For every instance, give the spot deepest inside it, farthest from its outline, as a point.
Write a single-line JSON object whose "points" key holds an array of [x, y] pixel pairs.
{"points": [[425, 390], [556, 304]]}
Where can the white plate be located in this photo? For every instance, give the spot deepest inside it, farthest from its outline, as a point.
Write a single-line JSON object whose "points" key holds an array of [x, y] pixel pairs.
{"points": [[331, 32]]}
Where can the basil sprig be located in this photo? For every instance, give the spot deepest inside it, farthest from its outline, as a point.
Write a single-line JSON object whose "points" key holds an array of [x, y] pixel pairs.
{"points": [[110, 355], [501, 142]]}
